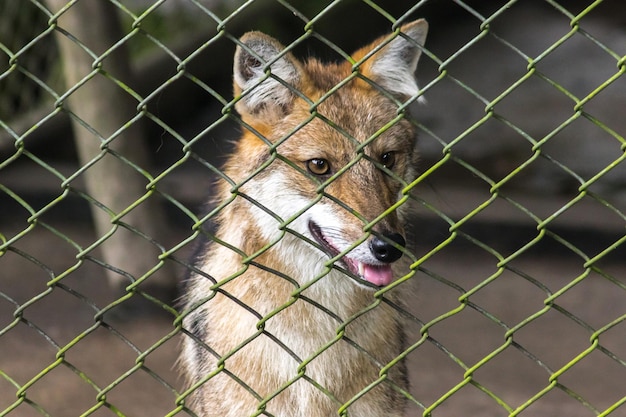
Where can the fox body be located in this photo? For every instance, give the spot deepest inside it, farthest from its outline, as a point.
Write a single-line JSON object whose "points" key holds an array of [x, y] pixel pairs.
{"points": [[280, 313]]}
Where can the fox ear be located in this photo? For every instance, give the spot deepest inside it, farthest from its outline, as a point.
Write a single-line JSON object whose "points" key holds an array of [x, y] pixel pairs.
{"points": [[262, 92], [393, 66]]}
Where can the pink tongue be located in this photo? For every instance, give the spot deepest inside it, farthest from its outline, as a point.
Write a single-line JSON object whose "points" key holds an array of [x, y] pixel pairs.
{"points": [[379, 275]]}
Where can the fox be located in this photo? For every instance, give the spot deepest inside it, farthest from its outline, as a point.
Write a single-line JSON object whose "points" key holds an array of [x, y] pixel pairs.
{"points": [[282, 310]]}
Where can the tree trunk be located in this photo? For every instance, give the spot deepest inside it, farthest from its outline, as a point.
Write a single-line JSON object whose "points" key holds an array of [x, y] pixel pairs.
{"points": [[102, 110]]}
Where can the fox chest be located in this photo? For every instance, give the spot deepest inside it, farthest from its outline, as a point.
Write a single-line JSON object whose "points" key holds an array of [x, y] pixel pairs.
{"points": [[303, 342]]}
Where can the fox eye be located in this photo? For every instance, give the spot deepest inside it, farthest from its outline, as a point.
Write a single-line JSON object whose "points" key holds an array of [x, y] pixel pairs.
{"points": [[318, 166], [388, 159]]}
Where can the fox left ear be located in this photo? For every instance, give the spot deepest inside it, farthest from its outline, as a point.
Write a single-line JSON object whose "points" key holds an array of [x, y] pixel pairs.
{"points": [[393, 66], [264, 93]]}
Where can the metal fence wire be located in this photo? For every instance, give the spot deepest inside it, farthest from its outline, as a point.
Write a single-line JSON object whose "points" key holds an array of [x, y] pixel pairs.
{"points": [[116, 117]]}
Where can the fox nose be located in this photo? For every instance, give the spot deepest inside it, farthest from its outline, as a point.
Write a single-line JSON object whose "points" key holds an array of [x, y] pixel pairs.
{"points": [[385, 251]]}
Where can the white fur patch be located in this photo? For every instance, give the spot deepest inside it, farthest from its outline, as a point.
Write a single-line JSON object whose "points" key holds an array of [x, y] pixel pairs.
{"points": [[275, 194]]}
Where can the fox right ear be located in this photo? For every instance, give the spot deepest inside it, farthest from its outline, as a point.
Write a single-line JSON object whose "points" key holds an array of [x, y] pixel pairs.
{"points": [[260, 90], [393, 66]]}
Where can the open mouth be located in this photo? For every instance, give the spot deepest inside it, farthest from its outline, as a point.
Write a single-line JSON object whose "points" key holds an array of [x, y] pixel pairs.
{"points": [[379, 275]]}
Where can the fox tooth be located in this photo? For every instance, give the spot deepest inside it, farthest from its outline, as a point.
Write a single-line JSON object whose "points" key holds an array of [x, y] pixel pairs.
{"points": [[361, 267]]}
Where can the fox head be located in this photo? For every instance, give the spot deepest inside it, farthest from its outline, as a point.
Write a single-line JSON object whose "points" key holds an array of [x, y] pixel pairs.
{"points": [[325, 152]]}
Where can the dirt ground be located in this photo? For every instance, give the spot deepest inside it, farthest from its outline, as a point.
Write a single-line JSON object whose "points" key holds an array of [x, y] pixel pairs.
{"points": [[60, 358]]}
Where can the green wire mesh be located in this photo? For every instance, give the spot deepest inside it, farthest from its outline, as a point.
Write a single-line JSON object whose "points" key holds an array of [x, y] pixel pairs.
{"points": [[518, 261]]}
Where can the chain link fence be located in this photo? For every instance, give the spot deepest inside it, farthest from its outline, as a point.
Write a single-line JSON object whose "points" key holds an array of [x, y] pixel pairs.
{"points": [[115, 118]]}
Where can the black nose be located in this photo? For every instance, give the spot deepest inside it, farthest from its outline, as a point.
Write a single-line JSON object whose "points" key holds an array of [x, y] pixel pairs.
{"points": [[385, 251]]}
